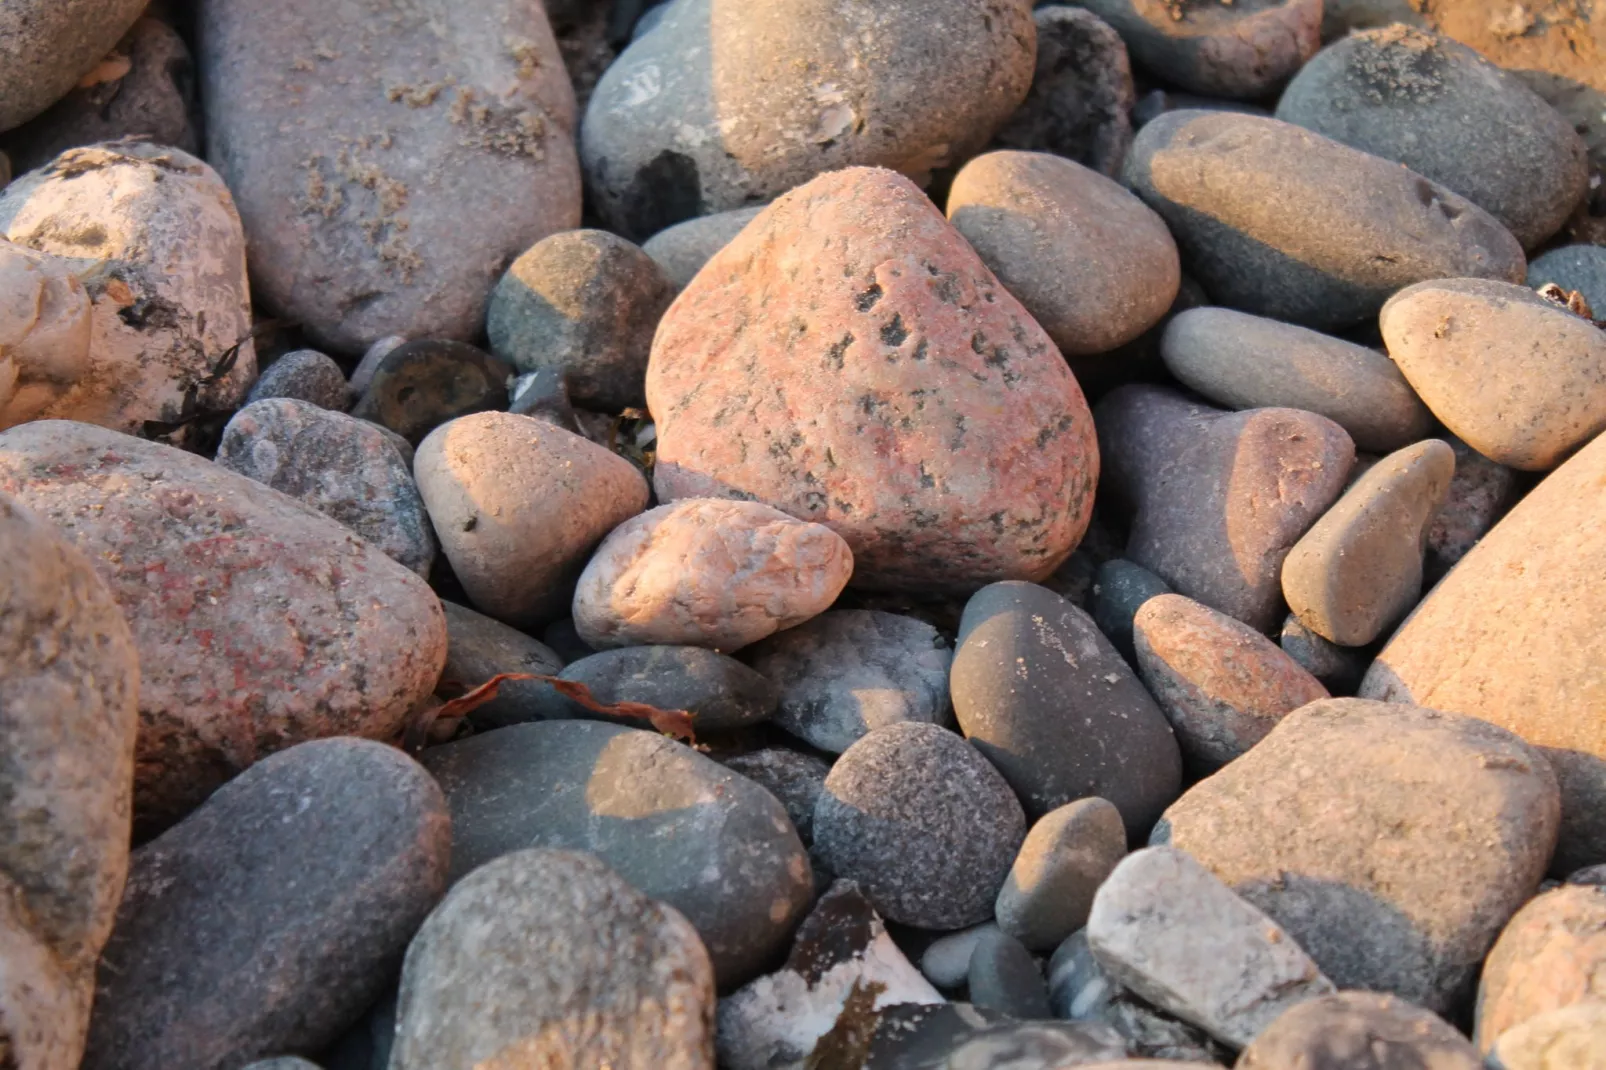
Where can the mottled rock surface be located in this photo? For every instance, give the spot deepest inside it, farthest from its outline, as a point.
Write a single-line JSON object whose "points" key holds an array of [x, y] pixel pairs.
{"points": [[305, 375], [1552, 954], [50, 45], [1359, 1029], [794, 778], [44, 331], [1572, 1038]]}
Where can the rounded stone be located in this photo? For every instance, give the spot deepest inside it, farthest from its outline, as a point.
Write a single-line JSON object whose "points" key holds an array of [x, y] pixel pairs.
{"points": [[683, 249], [719, 692], [304, 375], [1573, 267], [1092, 263], [1222, 685], [1450, 115], [584, 303], [1046, 698], [1248, 362], [363, 374], [1516, 377], [478, 648], [1444, 793], [303, 878], [1358, 1029], [1003, 977], [923, 824], [849, 360], [1065, 857], [1552, 954], [1572, 1038], [1282, 222], [1479, 495], [519, 505], [1119, 590], [418, 386], [1339, 668], [946, 960], [259, 623], [49, 45], [850, 671], [45, 331], [548, 958], [795, 778], [708, 572]]}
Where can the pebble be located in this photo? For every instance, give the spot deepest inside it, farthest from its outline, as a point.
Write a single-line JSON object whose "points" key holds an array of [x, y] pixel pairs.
{"points": [[363, 374], [720, 106], [1573, 267], [1092, 263], [1348, 1030], [519, 505], [850, 671], [586, 303], [843, 968], [549, 958], [683, 249], [719, 692], [1525, 405], [946, 961], [1572, 1038], [1066, 856], [418, 386], [794, 778], [1339, 668], [44, 331], [164, 318], [1003, 977], [1080, 103], [1216, 50], [922, 823], [1552, 954], [288, 898], [304, 375], [1221, 684], [1450, 115], [708, 572], [1444, 793], [959, 1036], [344, 468], [429, 147], [876, 378], [1046, 698], [1081, 990], [50, 45], [1479, 495], [478, 648], [1247, 362], [259, 623], [676, 825], [284, 1062], [1218, 499], [1119, 590], [1172, 932], [1282, 222]]}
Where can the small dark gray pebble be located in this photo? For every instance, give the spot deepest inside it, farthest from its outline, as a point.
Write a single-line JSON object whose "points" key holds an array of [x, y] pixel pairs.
{"points": [[1119, 590], [418, 386], [478, 648], [796, 779], [1339, 668], [284, 1062], [544, 394], [306, 375], [718, 691], [1574, 267], [564, 641], [1003, 977]]}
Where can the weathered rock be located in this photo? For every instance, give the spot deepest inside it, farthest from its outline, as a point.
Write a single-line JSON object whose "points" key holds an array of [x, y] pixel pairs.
{"points": [[959, 1036], [1451, 116], [1247, 362], [1385, 799], [1168, 929], [679, 827], [50, 45], [850, 671], [45, 1008], [1066, 856], [1519, 379], [342, 467], [1119, 590], [259, 623], [1003, 977], [1081, 98], [418, 386], [1282, 222], [304, 375], [1339, 668], [706, 572], [547, 958], [1572, 1038], [723, 106], [1221, 684], [946, 960], [288, 897], [154, 235], [44, 331], [584, 302], [1092, 263], [1552, 954], [1479, 495], [1359, 1029], [922, 823], [1573, 267], [874, 377], [719, 692], [1048, 700], [794, 778], [1218, 498], [683, 249], [519, 505], [353, 145]]}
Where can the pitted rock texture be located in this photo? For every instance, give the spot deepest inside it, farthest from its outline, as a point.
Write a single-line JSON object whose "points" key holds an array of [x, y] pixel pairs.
{"points": [[849, 360]]}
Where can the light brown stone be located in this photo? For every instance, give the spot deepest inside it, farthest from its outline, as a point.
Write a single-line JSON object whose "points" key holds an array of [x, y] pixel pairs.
{"points": [[44, 331], [1572, 1038], [1551, 955]]}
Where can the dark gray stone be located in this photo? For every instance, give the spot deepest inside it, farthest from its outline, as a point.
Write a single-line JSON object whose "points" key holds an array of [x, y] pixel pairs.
{"points": [[1359, 1031], [958, 1036], [271, 917], [544, 394], [306, 375], [1119, 590], [565, 641], [1338, 668], [1066, 856], [363, 373], [420, 385], [1004, 978], [796, 779], [1574, 267], [1046, 698], [684, 830], [284, 1062], [718, 691], [922, 823], [478, 648]]}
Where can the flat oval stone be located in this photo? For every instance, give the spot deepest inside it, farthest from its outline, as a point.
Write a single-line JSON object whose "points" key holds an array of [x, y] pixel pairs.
{"points": [[1552, 954], [850, 671], [305, 375], [1248, 362], [1003, 977], [519, 505], [1572, 1038], [1282, 222], [1573, 267], [50, 45], [1092, 263], [708, 572], [849, 360], [259, 623], [676, 825], [1450, 115], [548, 958], [354, 146], [418, 386], [683, 249], [303, 878], [719, 692], [1066, 856], [1518, 378], [478, 648], [1046, 698], [1245, 50], [1332, 1032]]}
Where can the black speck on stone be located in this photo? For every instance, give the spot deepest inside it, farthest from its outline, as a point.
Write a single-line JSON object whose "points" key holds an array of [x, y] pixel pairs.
{"points": [[420, 385], [718, 691], [304, 375], [1119, 590]]}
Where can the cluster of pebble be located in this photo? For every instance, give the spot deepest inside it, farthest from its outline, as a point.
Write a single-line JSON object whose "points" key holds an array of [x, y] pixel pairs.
{"points": [[1148, 611]]}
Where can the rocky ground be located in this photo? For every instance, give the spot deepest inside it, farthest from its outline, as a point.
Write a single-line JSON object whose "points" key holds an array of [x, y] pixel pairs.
{"points": [[809, 535]]}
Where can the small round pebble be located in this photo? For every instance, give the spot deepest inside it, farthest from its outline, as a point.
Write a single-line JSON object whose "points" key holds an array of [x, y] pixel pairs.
{"points": [[795, 778], [1355, 1030], [1002, 977], [1119, 590], [1065, 858], [719, 692], [683, 249], [306, 375], [922, 822], [1339, 668], [420, 385], [1574, 267], [946, 961]]}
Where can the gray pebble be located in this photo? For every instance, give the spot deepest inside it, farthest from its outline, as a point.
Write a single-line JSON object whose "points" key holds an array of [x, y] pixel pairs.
{"points": [[959, 1036], [1355, 1030], [946, 961], [1574, 267], [718, 691], [794, 778], [1081, 990], [478, 648], [305, 375], [683, 249], [284, 1062], [1338, 668], [544, 394], [363, 373], [1002, 977], [1066, 856], [1119, 590]]}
